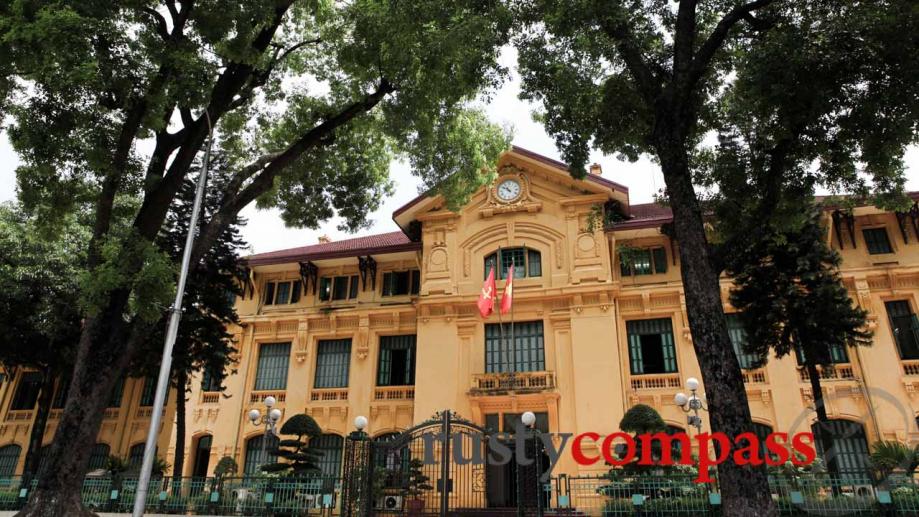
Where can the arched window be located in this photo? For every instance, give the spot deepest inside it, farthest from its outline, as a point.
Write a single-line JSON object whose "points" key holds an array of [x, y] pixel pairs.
{"points": [[136, 455], [850, 447], [9, 457], [202, 456], [330, 446], [255, 458], [98, 456], [527, 262]]}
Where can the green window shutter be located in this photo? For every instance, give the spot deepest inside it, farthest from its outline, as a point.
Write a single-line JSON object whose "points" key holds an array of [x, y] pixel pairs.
{"points": [[905, 328], [60, 396], [352, 293], [273, 362], [534, 263], [635, 362], [295, 291], [269, 293], [416, 281], [738, 339], [669, 352], [283, 294], [98, 456], [325, 289], [384, 373], [149, 392], [9, 457], [333, 362], [838, 354], [527, 356], [660, 260]]}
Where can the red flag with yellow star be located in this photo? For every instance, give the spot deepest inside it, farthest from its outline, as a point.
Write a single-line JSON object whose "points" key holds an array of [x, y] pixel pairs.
{"points": [[486, 301], [508, 299]]}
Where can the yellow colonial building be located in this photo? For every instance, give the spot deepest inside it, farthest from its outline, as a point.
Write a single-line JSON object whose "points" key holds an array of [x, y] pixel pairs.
{"points": [[386, 326]]}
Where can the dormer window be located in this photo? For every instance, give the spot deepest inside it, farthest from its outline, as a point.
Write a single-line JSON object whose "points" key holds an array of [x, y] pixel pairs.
{"points": [[642, 261], [282, 293], [527, 262]]}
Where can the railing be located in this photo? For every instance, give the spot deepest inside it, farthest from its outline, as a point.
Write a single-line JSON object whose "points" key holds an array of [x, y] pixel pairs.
{"points": [[210, 397], [258, 396], [754, 376], [655, 382], [680, 495], [493, 383], [201, 496], [329, 395], [394, 393], [19, 415], [111, 414], [836, 372], [910, 366]]}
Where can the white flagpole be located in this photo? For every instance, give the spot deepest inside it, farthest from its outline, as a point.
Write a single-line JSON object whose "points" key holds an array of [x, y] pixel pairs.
{"points": [[162, 383]]}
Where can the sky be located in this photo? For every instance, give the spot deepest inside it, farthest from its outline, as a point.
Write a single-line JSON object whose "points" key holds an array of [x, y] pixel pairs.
{"points": [[265, 231]]}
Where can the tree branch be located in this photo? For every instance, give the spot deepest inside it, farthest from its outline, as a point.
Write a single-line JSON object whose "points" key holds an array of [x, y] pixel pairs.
{"points": [[159, 21], [269, 165], [684, 39], [714, 41], [648, 84]]}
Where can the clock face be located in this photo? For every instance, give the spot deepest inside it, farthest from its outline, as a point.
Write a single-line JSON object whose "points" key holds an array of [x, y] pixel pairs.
{"points": [[508, 190]]}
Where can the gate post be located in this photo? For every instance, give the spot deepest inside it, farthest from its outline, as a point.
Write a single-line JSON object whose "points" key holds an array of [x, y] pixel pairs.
{"points": [[357, 477]]}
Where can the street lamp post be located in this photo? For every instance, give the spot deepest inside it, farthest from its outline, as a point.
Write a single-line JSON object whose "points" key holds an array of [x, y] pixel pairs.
{"points": [[529, 420], [269, 420], [691, 404]]}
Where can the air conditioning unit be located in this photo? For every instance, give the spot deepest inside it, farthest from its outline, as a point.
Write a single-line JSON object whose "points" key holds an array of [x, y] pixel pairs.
{"points": [[389, 502]]}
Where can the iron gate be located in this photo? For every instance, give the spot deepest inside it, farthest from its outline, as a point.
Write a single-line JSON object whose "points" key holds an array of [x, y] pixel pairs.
{"points": [[378, 474]]}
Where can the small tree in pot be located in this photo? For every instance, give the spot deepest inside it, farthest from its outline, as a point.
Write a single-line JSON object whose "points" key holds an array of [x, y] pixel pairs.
{"points": [[416, 484]]}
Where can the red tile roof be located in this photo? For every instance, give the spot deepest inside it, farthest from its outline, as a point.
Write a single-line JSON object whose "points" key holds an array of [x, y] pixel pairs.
{"points": [[645, 215], [391, 242], [564, 166]]}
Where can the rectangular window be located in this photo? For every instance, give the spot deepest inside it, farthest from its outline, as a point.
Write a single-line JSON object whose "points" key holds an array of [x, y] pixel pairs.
{"points": [[651, 348], [149, 392], [527, 356], [397, 361], [273, 361], [877, 241], [400, 283], [27, 391], [739, 339], [333, 361], [905, 327], [60, 396], [646, 261], [338, 288], [282, 293], [211, 380], [838, 355], [527, 263]]}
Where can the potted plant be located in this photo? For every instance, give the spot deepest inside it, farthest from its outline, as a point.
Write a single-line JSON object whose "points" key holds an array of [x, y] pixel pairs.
{"points": [[416, 484]]}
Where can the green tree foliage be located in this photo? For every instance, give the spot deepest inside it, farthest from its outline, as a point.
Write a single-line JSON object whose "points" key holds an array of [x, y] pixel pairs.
{"points": [[641, 419], [791, 299], [39, 309], [801, 93], [311, 100], [298, 458]]}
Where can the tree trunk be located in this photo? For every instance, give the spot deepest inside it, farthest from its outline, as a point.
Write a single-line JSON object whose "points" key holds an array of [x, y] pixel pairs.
{"points": [[104, 352], [34, 453], [745, 488], [178, 463], [824, 436]]}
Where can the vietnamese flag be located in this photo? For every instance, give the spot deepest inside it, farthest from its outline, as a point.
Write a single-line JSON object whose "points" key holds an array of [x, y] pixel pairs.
{"points": [[486, 301], [508, 298]]}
